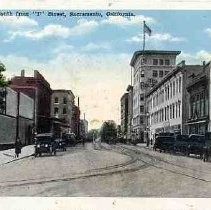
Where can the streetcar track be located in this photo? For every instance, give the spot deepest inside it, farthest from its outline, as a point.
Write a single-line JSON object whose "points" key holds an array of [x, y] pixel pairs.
{"points": [[170, 170], [104, 171]]}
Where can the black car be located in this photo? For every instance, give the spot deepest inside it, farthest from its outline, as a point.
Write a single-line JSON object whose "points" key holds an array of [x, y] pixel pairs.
{"points": [[164, 143], [61, 144], [196, 144], [181, 144], [45, 143]]}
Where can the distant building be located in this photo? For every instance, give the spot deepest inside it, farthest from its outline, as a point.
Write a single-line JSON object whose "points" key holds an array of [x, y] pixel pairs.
{"points": [[83, 128], [75, 124], [130, 112], [62, 104], [40, 91], [149, 67], [167, 105], [198, 87], [124, 115]]}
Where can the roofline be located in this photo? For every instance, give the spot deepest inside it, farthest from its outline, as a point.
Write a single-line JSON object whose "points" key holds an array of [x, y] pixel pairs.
{"points": [[168, 76], [151, 52]]}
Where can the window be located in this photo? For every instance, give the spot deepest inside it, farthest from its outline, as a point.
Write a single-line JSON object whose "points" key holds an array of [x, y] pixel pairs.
{"points": [[141, 97], [141, 119], [141, 109], [179, 108], [64, 111], [173, 111], [56, 100], [161, 62], [144, 61], [173, 88], [142, 85], [155, 73], [142, 73], [56, 111], [180, 81], [160, 73], [64, 100], [155, 62], [167, 62]]}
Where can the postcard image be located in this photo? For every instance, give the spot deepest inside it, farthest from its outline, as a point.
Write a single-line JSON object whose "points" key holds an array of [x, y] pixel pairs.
{"points": [[105, 103]]}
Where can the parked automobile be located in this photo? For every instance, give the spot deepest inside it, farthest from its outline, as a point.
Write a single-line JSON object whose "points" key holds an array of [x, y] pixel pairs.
{"points": [[164, 143], [69, 138], [207, 147], [61, 144], [45, 143], [196, 144], [181, 144]]}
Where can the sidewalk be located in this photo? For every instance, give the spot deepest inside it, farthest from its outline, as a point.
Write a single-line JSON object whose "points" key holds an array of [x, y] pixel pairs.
{"points": [[7, 156]]}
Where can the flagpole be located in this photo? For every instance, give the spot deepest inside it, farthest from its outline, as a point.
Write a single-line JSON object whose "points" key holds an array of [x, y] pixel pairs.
{"points": [[143, 37]]}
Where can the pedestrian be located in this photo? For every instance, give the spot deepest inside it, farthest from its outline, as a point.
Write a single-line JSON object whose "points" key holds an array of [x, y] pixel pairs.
{"points": [[18, 147]]}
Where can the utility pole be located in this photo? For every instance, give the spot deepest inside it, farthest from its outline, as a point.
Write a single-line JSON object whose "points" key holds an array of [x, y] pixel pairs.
{"points": [[17, 117]]}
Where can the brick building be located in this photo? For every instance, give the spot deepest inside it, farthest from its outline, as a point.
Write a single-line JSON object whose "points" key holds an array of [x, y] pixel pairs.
{"points": [[124, 114], [75, 124], [38, 89]]}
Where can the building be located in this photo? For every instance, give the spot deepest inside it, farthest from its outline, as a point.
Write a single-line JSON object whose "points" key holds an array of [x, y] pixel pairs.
{"points": [[167, 102], [124, 114], [130, 111], [75, 125], [62, 102], [39, 90], [83, 128], [198, 87], [16, 117], [149, 67]]}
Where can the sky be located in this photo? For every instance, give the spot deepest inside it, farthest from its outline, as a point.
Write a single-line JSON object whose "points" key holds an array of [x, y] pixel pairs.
{"points": [[91, 55]]}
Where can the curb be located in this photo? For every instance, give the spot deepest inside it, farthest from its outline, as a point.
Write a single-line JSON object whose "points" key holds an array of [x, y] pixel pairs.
{"points": [[17, 159]]}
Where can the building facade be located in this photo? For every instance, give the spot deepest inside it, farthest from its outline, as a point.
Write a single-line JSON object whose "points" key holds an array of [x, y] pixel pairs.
{"points": [[130, 111], [17, 115], [83, 128], [124, 115], [167, 102], [149, 67], [62, 102], [75, 125], [39, 90], [198, 99]]}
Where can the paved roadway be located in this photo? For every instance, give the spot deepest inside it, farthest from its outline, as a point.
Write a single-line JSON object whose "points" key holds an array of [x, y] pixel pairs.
{"points": [[118, 170]]}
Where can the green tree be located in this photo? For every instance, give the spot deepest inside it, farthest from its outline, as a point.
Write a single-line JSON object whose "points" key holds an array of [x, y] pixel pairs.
{"points": [[93, 133], [108, 131], [3, 81]]}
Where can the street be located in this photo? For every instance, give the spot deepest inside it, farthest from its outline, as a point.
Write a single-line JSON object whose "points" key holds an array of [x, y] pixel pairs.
{"points": [[113, 170]]}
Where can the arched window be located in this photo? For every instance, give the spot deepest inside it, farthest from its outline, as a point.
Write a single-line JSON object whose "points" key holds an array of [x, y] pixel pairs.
{"points": [[64, 111], [56, 100]]}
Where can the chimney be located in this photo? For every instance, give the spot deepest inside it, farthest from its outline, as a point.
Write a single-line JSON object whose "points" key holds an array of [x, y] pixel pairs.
{"points": [[22, 73], [204, 64]]}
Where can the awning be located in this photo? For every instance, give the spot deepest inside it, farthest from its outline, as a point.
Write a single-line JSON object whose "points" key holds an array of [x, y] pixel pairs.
{"points": [[197, 122]]}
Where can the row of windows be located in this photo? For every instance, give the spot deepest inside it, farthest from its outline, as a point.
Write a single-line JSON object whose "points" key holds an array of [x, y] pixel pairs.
{"points": [[157, 62], [169, 112], [56, 111], [168, 92], [138, 120], [56, 100], [155, 74], [198, 105]]}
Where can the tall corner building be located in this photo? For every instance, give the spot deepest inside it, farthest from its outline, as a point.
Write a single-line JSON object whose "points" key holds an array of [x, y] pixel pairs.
{"points": [[149, 67]]}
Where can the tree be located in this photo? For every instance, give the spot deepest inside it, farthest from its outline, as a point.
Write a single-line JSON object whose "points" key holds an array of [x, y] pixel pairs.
{"points": [[93, 133], [108, 131], [3, 82]]}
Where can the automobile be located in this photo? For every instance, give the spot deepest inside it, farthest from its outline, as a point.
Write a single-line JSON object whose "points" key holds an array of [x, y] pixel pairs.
{"points": [[45, 143], [207, 147], [181, 144], [69, 138], [61, 144], [196, 144], [164, 143]]}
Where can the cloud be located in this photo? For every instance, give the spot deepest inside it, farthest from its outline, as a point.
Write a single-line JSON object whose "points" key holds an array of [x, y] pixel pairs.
{"points": [[196, 58], [17, 22], [99, 79], [164, 37], [92, 47], [208, 31], [124, 21], [55, 30]]}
